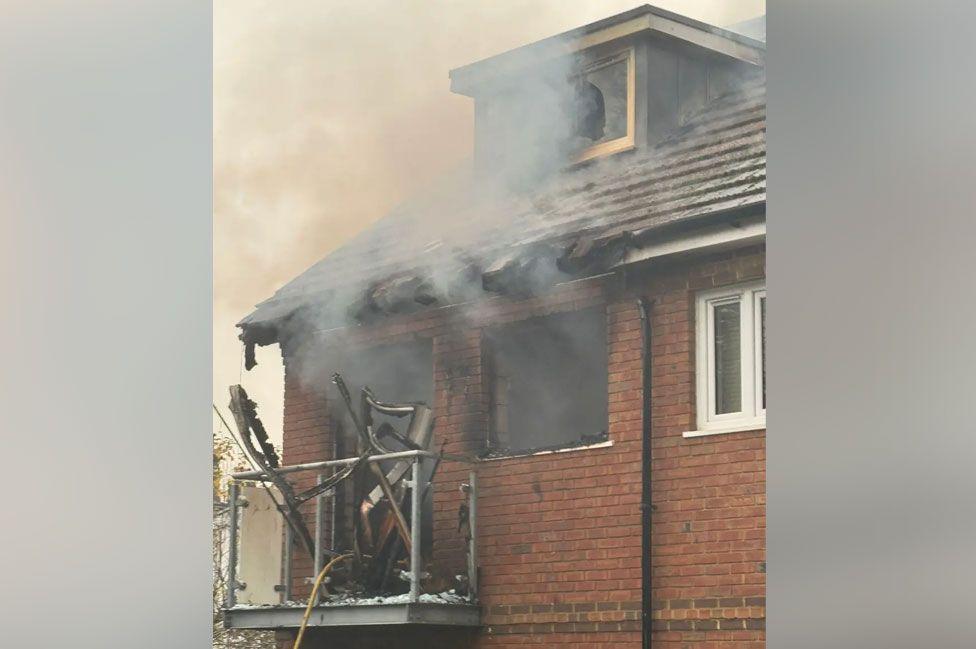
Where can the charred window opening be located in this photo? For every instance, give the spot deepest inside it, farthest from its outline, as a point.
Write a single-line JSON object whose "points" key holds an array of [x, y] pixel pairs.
{"points": [[548, 383], [396, 373], [401, 373]]}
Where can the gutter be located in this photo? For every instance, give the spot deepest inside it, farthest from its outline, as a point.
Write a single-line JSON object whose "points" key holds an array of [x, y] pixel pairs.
{"points": [[645, 306], [743, 231]]}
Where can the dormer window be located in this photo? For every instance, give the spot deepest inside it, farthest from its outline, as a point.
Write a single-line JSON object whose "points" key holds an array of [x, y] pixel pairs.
{"points": [[624, 83], [604, 106]]}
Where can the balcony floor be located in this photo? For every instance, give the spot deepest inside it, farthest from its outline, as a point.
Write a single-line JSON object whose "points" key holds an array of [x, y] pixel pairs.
{"points": [[290, 617]]}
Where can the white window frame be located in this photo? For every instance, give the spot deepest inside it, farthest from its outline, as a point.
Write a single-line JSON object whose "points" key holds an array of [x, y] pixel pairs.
{"points": [[753, 414], [757, 297]]}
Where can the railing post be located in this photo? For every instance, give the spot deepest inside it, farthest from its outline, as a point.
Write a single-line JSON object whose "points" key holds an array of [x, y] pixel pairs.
{"points": [[319, 526], [473, 541], [416, 491], [231, 595], [286, 560]]}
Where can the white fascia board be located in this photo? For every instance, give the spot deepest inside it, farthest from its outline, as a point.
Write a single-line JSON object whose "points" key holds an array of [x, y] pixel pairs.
{"points": [[743, 233]]}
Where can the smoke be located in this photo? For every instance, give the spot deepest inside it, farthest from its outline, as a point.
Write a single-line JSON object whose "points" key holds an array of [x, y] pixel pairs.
{"points": [[328, 115]]}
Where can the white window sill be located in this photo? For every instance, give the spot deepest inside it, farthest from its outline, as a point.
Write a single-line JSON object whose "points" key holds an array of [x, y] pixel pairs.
{"points": [[754, 424], [570, 449]]}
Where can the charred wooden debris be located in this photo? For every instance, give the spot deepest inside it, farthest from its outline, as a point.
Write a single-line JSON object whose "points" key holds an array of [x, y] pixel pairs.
{"points": [[524, 271], [385, 510]]}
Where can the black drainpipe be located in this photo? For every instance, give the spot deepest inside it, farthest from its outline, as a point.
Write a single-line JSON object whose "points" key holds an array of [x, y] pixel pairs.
{"points": [[645, 306]]}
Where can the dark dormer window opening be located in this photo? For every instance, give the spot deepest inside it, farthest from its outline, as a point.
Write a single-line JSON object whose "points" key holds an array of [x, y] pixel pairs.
{"points": [[591, 111], [604, 106]]}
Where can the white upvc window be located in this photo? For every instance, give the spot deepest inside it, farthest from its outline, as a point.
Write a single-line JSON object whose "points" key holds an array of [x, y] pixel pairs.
{"points": [[731, 359]]}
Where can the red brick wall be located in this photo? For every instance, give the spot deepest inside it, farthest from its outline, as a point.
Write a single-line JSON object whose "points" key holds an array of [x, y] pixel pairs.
{"points": [[560, 534]]}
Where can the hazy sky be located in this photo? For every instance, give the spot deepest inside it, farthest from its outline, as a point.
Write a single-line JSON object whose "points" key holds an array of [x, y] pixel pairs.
{"points": [[327, 113]]}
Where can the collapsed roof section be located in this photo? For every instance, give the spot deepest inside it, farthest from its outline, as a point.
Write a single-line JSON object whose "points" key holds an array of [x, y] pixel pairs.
{"points": [[463, 239]]}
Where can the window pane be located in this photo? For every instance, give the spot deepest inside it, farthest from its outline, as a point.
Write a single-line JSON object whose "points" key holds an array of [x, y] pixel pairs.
{"points": [[728, 359], [762, 346]]}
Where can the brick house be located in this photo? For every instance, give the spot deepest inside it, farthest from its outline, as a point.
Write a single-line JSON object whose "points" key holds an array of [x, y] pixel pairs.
{"points": [[519, 316]]}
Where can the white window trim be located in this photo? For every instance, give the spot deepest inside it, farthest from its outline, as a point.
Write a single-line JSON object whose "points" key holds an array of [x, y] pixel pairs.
{"points": [[757, 297], [568, 449], [753, 415]]}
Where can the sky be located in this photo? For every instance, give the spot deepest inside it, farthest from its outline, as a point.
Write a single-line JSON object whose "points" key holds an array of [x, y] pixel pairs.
{"points": [[328, 113]]}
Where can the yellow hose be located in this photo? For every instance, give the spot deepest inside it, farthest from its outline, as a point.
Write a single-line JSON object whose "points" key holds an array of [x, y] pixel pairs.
{"points": [[312, 597]]}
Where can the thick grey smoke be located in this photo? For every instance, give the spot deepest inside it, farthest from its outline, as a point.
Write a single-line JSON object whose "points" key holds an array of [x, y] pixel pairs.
{"points": [[460, 243], [327, 115]]}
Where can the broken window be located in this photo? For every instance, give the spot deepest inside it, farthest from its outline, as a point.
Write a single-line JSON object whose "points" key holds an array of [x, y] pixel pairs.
{"points": [[604, 105], [548, 381]]}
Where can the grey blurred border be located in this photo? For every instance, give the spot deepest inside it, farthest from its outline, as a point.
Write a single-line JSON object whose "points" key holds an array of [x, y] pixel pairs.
{"points": [[872, 437], [105, 242], [105, 132]]}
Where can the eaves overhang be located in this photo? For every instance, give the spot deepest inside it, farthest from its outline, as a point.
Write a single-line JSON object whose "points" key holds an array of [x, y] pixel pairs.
{"points": [[727, 234]]}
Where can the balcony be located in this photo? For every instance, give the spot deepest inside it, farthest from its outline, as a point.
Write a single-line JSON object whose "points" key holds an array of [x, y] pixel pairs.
{"points": [[262, 539]]}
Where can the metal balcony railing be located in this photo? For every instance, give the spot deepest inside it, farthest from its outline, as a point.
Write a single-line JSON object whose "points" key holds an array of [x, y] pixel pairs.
{"points": [[322, 547]]}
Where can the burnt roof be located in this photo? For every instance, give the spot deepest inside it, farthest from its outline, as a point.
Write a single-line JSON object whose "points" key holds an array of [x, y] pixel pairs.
{"points": [[577, 222]]}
